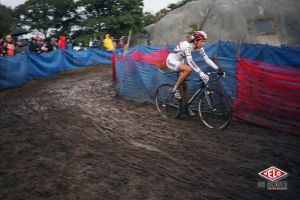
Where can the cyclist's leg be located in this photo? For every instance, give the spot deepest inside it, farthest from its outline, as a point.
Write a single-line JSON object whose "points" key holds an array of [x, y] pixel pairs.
{"points": [[185, 72], [186, 98], [185, 91], [177, 65]]}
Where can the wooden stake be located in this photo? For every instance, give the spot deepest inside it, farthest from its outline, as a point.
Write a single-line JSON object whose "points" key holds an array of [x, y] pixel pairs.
{"points": [[127, 45]]}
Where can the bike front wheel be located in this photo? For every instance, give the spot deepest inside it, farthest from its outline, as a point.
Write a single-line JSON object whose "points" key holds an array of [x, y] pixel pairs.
{"points": [[214, 110], [166, 104]]}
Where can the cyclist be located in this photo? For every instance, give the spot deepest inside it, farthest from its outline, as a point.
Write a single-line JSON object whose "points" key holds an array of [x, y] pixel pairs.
{"points": [[175, 62]]}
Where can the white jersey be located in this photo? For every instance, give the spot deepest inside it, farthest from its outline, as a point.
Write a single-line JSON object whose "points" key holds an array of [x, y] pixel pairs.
{"points": [[184, 50]]}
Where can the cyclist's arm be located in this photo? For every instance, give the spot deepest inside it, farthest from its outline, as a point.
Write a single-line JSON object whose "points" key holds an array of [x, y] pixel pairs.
{"points": [[190, 60], [208, 60]]}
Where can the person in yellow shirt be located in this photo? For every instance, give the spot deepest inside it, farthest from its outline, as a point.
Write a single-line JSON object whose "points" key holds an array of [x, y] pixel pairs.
{"points": [[108, 43], [109, 46]]}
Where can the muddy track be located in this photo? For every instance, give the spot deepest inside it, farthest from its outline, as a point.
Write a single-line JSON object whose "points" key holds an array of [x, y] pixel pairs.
{"points": [[72, 137]]}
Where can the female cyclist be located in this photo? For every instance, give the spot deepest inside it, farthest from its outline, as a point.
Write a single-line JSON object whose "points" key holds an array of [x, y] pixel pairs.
{"points": [[175, 61]]}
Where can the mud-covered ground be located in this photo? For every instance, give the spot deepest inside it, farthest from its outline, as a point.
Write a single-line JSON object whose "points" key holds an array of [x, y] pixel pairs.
{"points": [[72, 137]]}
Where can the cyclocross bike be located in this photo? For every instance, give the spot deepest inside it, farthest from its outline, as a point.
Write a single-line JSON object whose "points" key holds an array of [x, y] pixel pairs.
{"points": [[212, 107]]}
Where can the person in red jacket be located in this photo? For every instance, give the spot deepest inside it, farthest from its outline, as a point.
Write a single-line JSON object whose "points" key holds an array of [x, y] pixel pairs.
{"points": [[8, 47], [62, 42]]}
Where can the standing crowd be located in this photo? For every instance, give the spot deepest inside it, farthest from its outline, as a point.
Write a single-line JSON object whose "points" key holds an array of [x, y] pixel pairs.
{"points": [[10, 46]]}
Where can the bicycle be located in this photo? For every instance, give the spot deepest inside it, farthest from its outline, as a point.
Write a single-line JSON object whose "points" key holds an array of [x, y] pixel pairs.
{"points": [[213, 107]]}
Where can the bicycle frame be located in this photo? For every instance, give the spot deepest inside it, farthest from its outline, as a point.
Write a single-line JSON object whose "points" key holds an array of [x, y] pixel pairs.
{"points": [[189, 101], [200, 92]]}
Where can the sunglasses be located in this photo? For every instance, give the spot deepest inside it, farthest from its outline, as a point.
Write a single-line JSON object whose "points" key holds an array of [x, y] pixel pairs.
{"points": [[200, 40]]}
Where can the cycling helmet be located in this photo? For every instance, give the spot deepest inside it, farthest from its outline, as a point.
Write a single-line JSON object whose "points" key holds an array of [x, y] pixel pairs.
{"points": [[199, 35]]}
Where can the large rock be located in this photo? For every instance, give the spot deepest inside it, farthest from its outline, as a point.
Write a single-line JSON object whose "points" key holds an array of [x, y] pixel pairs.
{"points": [[273, 22]]}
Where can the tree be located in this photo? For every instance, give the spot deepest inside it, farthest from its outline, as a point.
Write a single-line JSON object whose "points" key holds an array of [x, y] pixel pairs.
{"points": [[163, 12], [149, 18], [7, 20], [45, 15], [179, 4], [113, 16]]}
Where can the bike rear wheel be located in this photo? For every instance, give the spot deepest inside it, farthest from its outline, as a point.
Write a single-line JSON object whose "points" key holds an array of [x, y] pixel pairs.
{"points": [[166, 104], [214, 110]]}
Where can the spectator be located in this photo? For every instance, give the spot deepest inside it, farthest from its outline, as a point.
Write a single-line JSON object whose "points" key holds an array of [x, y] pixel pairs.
{"points": [[69, 44], [95, 43], [21, 46], [90, 43], [53, 43], [115, 43], [1, 46], [44, 45], [39, 45], [122, 42], [62, 42], [48, 47], [8, 48], [33, 47], [109, 46], [108, 43]]}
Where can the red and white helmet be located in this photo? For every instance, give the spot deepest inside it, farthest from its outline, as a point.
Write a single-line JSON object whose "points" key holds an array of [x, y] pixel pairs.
{"points": [[199, 35]]}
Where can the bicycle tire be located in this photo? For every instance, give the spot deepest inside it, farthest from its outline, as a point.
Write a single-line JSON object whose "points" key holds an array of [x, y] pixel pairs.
{"points": [[166, 104], [214, 109]]}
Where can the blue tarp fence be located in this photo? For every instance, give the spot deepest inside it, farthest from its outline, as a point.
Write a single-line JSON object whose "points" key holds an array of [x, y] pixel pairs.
{"points": [[138, 78], [15, 71], [262, 82]]}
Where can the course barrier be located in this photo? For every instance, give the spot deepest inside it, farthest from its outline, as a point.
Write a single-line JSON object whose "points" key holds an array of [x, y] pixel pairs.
{"points": [[262, 82], [17, 70]]}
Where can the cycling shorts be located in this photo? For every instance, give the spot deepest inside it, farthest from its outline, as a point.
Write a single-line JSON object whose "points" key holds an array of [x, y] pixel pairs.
{"points": [[174, 61]]}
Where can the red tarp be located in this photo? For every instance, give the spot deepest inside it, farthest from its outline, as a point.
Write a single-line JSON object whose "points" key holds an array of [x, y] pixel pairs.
{"points": [[268, 95]]}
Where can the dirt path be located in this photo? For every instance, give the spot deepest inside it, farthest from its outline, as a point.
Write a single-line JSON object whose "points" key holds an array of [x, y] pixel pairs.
{"points": [[71, 137]]}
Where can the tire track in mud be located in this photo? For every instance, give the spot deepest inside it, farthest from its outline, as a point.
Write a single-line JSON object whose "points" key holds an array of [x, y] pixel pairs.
{"points": [[72, 137]]}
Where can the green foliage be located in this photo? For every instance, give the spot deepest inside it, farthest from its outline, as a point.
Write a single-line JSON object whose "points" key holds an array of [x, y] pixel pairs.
{"points": [[194, 27], [112, 16], [148, 19], [160, 14], [7, 21], [90, 17], [48, 14], [84, 38], [181, 3]]}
